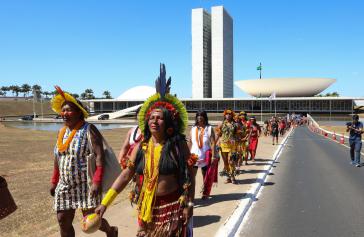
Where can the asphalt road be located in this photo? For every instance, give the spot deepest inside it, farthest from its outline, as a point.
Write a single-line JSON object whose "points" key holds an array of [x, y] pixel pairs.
{"points": [[312, 191]]}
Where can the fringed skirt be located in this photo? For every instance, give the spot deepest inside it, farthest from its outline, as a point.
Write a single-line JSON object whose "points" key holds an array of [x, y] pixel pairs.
{"points": [[167, 217]]}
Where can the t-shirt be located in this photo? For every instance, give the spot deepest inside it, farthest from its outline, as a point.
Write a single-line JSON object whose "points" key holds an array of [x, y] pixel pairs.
{"points": [[354, 134], [274, 127]]}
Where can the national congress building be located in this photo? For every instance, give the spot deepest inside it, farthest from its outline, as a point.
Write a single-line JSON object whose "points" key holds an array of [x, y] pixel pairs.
{"points": [[213, 80]]}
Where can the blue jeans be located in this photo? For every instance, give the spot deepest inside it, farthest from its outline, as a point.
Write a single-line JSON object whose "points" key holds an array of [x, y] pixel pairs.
{"points": [[355, 149]]}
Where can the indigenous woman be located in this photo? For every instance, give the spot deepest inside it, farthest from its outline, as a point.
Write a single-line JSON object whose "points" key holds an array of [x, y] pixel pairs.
{"points": [[226, 137], [69, 181], [254, 133], [165, 204], [203, 145], [242, 139]]}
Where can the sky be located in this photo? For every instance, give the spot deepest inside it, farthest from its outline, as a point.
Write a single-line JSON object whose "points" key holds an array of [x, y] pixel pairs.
{"points": [[116, 45]]}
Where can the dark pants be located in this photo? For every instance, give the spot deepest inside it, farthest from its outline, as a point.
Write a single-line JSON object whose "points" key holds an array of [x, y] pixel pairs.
{"points": [[355, 149]]}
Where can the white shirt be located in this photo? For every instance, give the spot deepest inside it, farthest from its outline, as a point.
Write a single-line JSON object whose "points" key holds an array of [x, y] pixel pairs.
{"points": [[201, 152]]}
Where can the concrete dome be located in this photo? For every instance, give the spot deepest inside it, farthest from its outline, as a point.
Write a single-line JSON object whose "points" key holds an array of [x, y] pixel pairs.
{"points": [[137, 93], [285, 87]]}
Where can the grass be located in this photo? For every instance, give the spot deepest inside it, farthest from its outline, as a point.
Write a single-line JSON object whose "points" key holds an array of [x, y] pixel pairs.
{"points": [[22, 107], [27, 164]]}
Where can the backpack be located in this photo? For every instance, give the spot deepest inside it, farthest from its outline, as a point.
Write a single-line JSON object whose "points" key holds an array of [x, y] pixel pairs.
{"points": [[111, 166]]}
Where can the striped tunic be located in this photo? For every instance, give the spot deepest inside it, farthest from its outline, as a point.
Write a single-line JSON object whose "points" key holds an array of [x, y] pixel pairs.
{"points": [[72, 191]]}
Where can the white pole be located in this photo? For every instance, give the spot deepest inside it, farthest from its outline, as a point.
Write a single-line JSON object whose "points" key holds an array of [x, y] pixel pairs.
{"points": [[261, 108], [275, 107], [34, 104], [41, 105]]}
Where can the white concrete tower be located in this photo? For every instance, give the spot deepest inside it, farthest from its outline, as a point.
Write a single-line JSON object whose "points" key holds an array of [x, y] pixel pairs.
{"points": [[221, 53], [201, 53]]}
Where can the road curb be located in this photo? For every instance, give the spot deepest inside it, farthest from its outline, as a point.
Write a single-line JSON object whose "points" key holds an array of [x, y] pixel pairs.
{"points": [[232, 224]]}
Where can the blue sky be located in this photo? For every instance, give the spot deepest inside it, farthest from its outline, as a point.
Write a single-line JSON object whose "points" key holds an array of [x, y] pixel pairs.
{"points": [[115, 45]]}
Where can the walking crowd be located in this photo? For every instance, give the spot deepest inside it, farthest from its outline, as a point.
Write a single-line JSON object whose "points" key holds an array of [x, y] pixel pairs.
{"points": [[156, 157]]}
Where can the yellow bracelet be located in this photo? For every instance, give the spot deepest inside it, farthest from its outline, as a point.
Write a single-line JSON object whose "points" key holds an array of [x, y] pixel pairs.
{"points": [[109, 197]]}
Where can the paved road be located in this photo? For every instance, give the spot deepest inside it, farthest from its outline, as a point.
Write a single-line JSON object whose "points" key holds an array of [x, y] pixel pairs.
{"points": [[313, 191]]}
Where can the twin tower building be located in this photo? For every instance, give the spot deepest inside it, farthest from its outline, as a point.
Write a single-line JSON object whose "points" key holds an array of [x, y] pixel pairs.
{"points": [[212, 53]]}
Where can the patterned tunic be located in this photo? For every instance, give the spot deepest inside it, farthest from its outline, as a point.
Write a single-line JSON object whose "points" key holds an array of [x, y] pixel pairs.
{"points": [[72, 191]]}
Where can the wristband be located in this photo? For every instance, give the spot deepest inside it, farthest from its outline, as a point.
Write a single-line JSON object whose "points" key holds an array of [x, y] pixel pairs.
{"points": [[98, 175], [109, 197], [55, 176]]}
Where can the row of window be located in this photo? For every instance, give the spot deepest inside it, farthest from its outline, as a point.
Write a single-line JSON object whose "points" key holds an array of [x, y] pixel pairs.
{"points": [[251, 106]]}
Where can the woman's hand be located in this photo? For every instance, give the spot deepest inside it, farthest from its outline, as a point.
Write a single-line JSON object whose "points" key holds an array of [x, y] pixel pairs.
{"points": [[52, 189], [95, 190], [187, 214], [100, 210]]}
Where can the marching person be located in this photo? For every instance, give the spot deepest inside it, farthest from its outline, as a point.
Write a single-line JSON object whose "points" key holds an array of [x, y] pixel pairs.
{"points": [[254, 133], [69, 181], [225, 133], [355, 129], [165, 204], [202, 144]]}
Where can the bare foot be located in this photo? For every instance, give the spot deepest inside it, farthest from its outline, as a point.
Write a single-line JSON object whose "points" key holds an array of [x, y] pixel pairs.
{"points": [[114, 232]]}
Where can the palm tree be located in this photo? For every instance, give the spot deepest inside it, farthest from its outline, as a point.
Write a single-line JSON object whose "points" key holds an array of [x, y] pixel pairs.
{"points": [[25, 89], [335, 94], [75, 95], [46, 94], [89, 94], [107, 94], [4, 89], [15, 90], [83, 96]]}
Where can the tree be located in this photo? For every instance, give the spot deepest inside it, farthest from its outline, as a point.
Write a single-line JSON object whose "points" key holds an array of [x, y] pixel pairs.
{"points": [[107, 95], [46, 94], [15, 90], [4, 89], [83, 96], [2, 93], [335, 94], [25, 89], [75, 95], [89, 94]]}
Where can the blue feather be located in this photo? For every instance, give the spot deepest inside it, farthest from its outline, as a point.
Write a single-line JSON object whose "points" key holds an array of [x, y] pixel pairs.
{"points": [[162, 86]]}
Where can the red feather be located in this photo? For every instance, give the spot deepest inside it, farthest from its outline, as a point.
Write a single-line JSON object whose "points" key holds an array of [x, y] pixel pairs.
{"points": [[59, 90]]}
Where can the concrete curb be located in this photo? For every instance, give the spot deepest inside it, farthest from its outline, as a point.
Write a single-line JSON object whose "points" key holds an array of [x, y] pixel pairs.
{"points": [[232, 225]]}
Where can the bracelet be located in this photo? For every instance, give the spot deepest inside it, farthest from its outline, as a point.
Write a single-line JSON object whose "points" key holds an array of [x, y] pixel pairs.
{"points": [[190, 204], [109, 197]]}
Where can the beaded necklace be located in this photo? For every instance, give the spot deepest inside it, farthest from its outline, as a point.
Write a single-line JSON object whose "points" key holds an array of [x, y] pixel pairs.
{"points": [[62, 147], [199, 138]]}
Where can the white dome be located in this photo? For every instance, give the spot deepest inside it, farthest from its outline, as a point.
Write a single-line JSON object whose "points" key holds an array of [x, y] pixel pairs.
{"points": [[137, 93], [285, 87]]}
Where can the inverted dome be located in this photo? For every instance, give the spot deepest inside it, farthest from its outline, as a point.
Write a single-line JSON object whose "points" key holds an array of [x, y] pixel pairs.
{"points": [[137, 93], [285, 87]]}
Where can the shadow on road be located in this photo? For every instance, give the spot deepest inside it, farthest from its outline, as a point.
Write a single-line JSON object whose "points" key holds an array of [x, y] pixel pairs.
{"points": [[199, 221], [261, 159], [219, 198]]}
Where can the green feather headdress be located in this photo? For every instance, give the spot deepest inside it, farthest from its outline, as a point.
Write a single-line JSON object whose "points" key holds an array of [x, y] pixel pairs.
{"points": [[162, 98]]}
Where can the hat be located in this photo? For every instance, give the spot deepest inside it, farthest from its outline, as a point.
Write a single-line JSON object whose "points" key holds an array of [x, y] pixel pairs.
{"points": [[61, 98], [162, 99], [91, 223]]}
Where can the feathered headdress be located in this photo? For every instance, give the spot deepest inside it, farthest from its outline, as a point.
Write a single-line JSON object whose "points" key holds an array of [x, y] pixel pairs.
{"points": [[61, 97], [229, 111], [162, 99]]}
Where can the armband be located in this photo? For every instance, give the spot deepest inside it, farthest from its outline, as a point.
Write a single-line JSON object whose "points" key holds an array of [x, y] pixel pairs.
{"points": [[55, 176], [98, 175], [109, 197]]}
